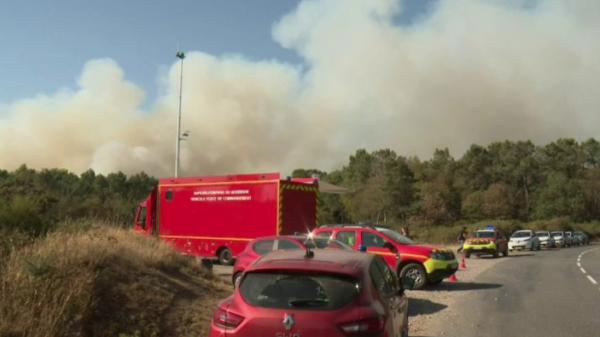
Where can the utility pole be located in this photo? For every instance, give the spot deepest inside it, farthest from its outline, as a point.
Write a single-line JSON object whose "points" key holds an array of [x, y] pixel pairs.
{"points": [[180, 55]]}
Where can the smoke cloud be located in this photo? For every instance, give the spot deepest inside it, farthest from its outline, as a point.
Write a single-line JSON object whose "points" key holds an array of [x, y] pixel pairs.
{"points": [[466, 72]]}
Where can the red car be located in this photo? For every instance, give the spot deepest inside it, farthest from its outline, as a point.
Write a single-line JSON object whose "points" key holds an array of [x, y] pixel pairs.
{"points": [[261, 246], [328, 293], [422, 264]]}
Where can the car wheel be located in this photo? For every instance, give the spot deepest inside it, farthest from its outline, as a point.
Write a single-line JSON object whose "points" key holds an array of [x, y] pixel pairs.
{"points": [[495, 255], [467, 255], [225, 257], [415, 272]]}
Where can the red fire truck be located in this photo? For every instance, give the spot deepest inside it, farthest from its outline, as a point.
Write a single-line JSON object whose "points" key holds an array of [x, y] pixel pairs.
{"points": [[215, 217]]}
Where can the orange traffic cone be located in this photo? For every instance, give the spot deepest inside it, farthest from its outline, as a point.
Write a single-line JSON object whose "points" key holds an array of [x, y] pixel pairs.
{"points": [[453, 278], [463, 265]]}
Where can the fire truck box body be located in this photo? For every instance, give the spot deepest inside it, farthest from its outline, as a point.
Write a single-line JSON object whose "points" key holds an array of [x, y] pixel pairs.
{"points": [[215, 217]]}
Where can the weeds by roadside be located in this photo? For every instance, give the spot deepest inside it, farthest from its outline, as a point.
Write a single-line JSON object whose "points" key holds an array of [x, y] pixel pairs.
{"points": [[103, 282]]}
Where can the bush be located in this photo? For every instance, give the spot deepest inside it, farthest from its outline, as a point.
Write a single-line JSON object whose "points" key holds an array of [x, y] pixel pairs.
{"points": [[104, 282]]}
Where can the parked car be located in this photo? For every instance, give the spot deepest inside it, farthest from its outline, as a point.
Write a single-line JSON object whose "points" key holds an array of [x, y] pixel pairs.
{"points": [[423, 264], [582, 238], [264, 245], [570, 239], [559, 239], [328, 293], [524, 239], [546, 239], [487, 241]]}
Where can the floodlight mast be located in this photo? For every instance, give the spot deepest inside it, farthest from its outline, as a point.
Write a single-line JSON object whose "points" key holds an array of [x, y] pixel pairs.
{"points": [[180, 55]]}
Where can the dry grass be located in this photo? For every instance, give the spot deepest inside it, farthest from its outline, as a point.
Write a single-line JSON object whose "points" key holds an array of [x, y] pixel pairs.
{"points": [[104, 282]]}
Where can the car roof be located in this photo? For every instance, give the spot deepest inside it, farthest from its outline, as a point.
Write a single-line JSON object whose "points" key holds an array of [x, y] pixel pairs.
{"points": [[299, 238], [331, 261], [369, 226], [275, 237]]}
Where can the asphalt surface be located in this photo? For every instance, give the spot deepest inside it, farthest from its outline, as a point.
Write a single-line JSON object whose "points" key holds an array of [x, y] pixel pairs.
{"points": [[543, 293]]}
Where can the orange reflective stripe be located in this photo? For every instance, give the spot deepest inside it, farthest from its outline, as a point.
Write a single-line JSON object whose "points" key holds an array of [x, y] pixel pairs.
{"points": [[415, 256], [383, 253], [203, 238]]}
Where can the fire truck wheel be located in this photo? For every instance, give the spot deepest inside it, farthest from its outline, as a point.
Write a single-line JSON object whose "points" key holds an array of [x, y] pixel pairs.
{"points": [[225, 257]]}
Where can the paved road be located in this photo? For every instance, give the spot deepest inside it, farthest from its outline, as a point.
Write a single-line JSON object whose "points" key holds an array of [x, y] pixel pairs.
{"points": [[539, 294]]}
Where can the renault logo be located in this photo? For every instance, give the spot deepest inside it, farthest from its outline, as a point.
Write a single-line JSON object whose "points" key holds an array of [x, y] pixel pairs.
{"points": [[288, 321]]}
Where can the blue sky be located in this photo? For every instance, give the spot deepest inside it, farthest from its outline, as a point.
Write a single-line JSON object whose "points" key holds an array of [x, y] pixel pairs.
{"points": [[46, 43]]}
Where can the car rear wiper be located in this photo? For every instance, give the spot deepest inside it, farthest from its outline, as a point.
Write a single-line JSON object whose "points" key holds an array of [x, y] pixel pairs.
{"points": [[308, 302]]}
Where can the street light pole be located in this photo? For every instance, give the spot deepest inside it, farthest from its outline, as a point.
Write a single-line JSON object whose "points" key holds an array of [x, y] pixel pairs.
{"points": [[180, 55]]}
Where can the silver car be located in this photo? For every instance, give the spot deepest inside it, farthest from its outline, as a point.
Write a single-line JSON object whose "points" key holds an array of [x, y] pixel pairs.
{"points": [[572, 241], [560, 239], [546, 240], [524, 239]]}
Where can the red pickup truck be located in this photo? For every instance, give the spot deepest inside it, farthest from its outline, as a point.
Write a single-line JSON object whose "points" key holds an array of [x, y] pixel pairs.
{"points": [[423, 264]]}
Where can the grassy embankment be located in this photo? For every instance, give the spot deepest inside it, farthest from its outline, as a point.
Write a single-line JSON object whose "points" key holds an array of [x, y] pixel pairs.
{"points": [[448, 234], [102, 282]]}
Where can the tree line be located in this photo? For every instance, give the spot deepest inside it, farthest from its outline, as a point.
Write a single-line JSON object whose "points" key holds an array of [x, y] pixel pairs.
{"points": [[504, 180], [35, 201]]}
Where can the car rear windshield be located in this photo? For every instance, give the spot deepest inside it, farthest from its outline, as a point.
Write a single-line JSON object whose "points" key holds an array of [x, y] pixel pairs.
{"points": [[541, 233], [397, 236], [485, 234], [557, 233], [301, 291], [521, 234]]}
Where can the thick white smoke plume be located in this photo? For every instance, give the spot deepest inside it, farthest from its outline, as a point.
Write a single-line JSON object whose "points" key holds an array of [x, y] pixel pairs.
{"points": [[467, 72]]}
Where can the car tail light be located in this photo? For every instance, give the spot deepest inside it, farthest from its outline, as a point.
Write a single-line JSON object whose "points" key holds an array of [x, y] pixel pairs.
{"points": [[226, 319], [362, 327]]}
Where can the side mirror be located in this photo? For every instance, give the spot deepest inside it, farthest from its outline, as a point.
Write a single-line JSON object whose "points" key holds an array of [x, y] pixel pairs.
{"points": [[362, 248], [391, 247]]}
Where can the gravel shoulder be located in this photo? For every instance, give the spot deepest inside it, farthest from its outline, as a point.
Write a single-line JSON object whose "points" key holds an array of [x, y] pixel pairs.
{"points": [[433, 308]]}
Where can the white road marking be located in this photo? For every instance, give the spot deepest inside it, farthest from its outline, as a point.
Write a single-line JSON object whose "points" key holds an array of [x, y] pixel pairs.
{"points": [[583, 270]]}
